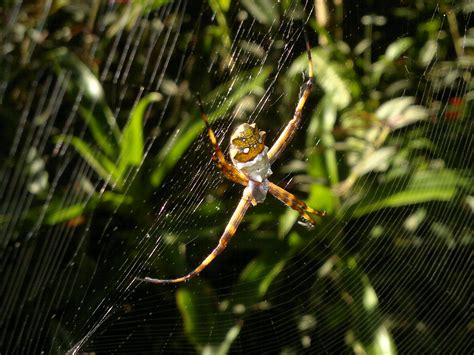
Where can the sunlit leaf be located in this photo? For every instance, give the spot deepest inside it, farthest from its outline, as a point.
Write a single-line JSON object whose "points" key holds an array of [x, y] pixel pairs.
{"points": [[38, 177], [393, 52], [84, 84], [132, 12], [264, 11], [322, 198], [411, 115], [152, 4], [197, 312], [428, 52], [329, 75], [423, 186], [116, 199], [83, 81], [397, 48], [377, 160], [382, 344], [224, 4], [394, 107], [287, 221], [224, 347]]}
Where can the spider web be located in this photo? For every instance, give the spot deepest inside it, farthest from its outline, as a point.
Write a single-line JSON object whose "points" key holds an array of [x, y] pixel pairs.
{"points": [[88, 203]]}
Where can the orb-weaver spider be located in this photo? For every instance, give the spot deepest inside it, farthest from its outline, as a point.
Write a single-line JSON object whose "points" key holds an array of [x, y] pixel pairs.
{"points": [[251, 161]]}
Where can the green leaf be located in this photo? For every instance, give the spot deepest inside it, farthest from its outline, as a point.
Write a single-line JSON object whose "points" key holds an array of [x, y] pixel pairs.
{"points": [[186, 133], [412, 114], [116, 199], [383, 343], [182, 137], [397, 48], [394, 107], [265, 11], [368, 333], [329, 115], [93, 109], [64, 214], [322, 198], [377, 160], [100, 137], [331, 76], [220, 7], [224, 4], [224, 347], [83, 83], [211, 330], [401, 112], [286, 222], [393, 52], [99, 162], [197, 312], [38, 177], [422, 186], [83, 80], [428, 52], [131, 146], [257, 277], [151, 5]]}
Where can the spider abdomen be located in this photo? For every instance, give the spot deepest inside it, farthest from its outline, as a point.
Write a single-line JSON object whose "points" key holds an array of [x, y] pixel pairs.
{"points": [[257, 170]]}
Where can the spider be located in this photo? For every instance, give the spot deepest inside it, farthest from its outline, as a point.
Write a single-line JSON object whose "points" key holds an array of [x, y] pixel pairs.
{"points": [[251, 161]]}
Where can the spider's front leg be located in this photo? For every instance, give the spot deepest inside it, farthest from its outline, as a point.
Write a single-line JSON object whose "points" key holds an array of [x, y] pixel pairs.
{"points": [[288, 133], [227, 169]]}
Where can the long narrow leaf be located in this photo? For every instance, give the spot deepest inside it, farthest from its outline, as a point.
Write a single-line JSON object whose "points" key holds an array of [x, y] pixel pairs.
{"points": [[99, 162], [84, 83], [131, 146], [100, 137], [422, 187]]}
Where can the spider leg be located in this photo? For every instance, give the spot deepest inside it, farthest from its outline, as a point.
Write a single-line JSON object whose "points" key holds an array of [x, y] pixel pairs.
{"points": [[292, 201], [288, 133], [239, 213], [227, 168], [229, 173]]}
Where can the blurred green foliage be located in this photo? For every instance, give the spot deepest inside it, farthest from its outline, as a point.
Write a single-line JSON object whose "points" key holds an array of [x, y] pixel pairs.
{"points": [[380, 149]]}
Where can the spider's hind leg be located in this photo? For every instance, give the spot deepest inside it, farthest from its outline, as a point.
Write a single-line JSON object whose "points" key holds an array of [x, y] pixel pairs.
{"points": [[224, 240], [292, 201]]}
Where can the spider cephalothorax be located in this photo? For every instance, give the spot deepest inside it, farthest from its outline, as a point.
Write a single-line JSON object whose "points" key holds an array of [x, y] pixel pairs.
{"points": [[246, 143], [250, 167]]}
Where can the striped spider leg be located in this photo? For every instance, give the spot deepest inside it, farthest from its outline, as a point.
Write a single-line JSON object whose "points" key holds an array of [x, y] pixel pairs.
{"points": [[289, 132], [250, 167], [237, 216], [292, 201]]}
